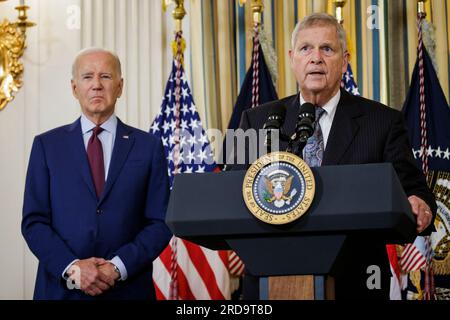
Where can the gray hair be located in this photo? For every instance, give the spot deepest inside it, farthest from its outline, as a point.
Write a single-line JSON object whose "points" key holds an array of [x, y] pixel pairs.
{"points": [[95, 50], [316, 19]]}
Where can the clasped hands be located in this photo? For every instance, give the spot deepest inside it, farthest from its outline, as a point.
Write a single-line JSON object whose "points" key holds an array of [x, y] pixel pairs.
{"points": [[93, 276]]}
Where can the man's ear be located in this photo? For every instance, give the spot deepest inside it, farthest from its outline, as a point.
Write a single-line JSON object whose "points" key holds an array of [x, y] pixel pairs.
{"points": [[291, 55], [345, 61], [74, 88], [120, 88]]}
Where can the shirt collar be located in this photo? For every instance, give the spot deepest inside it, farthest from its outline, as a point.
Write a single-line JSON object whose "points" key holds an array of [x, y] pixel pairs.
{"points": [[330, 106], [109, 125]]}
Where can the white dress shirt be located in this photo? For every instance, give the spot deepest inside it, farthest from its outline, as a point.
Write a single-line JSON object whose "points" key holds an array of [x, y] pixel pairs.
{"points": [[107, 137]]}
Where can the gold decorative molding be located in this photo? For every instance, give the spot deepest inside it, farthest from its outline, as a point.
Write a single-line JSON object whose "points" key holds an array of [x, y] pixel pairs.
{"points": [[12, 47]]}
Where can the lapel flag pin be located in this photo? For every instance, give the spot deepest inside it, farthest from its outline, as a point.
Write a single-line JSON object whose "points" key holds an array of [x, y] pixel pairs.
{"points": [[125, 137]]}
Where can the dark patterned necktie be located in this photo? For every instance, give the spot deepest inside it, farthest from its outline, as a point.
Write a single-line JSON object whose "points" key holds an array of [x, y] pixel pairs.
{"points": [[314, 146], [95, 156]]}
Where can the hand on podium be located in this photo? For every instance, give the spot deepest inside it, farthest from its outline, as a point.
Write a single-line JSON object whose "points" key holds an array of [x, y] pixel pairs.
{"points": [[422, 212]]}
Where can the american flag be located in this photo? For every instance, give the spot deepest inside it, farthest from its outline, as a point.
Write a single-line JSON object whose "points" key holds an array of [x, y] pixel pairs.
{"points": [[348, 82], [193, 148], [427, 115], [185, 270], [416, 256]]}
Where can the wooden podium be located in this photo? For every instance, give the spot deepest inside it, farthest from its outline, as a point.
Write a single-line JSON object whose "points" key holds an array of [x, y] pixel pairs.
{"points": [[295, 260], [297, 288]]}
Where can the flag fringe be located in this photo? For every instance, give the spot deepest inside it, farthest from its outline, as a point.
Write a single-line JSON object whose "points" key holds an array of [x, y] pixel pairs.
{"points": [[441, 267], [270, 55], [429, 40]]}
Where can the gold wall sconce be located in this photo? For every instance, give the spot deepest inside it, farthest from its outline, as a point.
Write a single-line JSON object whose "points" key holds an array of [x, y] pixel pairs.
{"points": [[12, 47]]}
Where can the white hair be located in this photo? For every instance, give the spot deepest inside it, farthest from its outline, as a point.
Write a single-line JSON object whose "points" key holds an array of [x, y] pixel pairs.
{"points": [[95, 50], [320, 18]]}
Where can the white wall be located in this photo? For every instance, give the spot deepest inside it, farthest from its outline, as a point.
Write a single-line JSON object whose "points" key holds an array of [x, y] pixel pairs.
{"points": [[137, 30]]}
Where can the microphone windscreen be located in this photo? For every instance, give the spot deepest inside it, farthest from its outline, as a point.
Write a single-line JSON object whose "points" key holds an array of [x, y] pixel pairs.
{"points": [[307, 110], [279, 111], [275, 118]]}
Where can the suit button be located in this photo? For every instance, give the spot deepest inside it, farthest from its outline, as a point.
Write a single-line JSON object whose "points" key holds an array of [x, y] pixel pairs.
{"points": [[99, 211]]}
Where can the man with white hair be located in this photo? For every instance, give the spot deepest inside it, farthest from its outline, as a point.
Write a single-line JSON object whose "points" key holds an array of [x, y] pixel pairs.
{"points": [[348, 130], [96, 195]]}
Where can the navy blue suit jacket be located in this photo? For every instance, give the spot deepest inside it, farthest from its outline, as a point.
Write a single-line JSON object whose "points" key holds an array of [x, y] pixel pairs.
{"points": [[64, 220]]}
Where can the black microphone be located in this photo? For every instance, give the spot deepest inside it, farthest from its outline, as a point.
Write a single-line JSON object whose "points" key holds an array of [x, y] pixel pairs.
{"points": [[303, 130], [274, 122], [305, 122]]}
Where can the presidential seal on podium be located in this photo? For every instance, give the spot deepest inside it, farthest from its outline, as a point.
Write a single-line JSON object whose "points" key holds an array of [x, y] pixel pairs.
{"points": [[278, 188]]}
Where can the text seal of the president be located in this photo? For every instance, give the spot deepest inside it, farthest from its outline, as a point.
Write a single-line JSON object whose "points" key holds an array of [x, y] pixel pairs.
{"points": [[278, 188]]}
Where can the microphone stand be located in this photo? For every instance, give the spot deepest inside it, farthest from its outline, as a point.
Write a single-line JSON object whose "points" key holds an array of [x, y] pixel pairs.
{"points": [[268, 142], [296, 146]]}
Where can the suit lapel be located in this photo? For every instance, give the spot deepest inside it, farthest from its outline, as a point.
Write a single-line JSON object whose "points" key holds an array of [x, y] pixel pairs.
{"points": [[292, 111], [79, 155], [122, 146], [343, 130]]}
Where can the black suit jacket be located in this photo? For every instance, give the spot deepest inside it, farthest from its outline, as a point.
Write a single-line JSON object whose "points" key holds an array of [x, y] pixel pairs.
{"points": [[363, 131]]}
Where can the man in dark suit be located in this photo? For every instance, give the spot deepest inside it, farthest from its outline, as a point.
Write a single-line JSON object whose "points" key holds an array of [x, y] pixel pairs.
{"points": [[96, 195], [353, 130]]}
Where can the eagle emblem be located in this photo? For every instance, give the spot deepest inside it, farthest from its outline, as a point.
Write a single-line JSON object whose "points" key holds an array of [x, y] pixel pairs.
{"points": [[278, 188]]}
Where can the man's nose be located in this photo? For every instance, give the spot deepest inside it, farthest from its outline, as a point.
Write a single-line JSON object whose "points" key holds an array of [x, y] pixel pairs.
{"points": [[316, 56], [97, 84]]}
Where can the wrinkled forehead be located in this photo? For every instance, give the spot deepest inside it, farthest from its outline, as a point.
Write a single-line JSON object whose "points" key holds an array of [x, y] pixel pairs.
{"points": [[321, 29], [96, 62]]}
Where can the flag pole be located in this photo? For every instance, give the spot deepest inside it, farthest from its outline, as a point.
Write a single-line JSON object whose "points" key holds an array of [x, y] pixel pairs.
{"points": [[421, 7], [257, 7], [187, 149], [178, 13], [421, 15], [428, 293], [340, 4], [178, 47], [429, 289]]}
